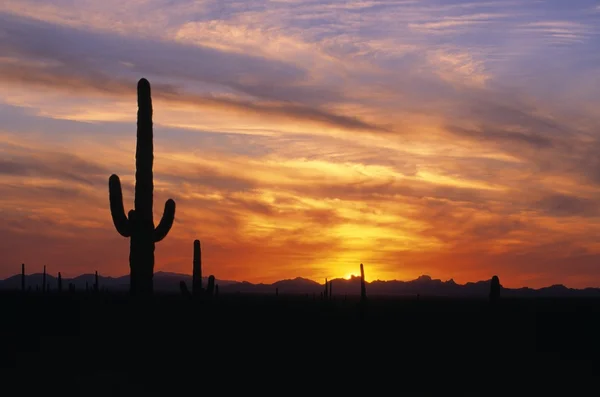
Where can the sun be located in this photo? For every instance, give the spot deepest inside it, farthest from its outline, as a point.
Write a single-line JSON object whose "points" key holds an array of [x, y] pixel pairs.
{"points": [[349, 276]]}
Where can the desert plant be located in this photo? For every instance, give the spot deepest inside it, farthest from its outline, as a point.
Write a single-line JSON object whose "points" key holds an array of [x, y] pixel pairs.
{"points": [[494, 289], [59, 282], [363, 288], [96, 286], [22, 277], [197, 270], [138, 225], [184, 289], [210, 287]]}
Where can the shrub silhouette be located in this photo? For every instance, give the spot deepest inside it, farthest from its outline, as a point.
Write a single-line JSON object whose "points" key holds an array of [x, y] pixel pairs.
{"points": [[184, 289], [139, 224]]}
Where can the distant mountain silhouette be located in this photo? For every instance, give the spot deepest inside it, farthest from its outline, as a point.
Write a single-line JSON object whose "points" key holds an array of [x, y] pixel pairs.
{"points": [[424, 286]]}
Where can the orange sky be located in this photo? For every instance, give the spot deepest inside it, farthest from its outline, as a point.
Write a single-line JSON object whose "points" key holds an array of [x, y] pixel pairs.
{"points": [[304, 150]]}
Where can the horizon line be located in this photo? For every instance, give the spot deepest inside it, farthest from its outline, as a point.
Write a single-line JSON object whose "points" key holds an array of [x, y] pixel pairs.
{"points": [[306, 278]]}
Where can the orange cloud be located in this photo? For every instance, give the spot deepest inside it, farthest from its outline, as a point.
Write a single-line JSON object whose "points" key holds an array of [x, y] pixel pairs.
{"points": [[294, 150]]}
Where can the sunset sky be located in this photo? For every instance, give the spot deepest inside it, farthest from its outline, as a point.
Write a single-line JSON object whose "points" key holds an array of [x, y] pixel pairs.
{"points": [[301, 137]]}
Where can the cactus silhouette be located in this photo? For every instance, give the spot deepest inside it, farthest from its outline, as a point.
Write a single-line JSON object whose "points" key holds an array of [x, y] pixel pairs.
{"points": [[326, 294], [330, 288], [494, 289], [216, 290], [22, 277], [96, 286], [211, 286], [197, 270], [363, 288], [59, 282], [138, 225]]}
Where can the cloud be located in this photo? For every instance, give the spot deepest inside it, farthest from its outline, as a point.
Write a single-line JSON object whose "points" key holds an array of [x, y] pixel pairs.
{"points": [[300, 138]]}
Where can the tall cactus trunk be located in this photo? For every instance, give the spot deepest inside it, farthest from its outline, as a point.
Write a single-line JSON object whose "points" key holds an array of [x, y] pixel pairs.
{"points": [[363, 288], [139, 224], [197, 270], [96, 286], [142, 242]]}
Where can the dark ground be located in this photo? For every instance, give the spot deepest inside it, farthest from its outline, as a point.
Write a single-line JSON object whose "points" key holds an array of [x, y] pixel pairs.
{"points": [[108, 345]]}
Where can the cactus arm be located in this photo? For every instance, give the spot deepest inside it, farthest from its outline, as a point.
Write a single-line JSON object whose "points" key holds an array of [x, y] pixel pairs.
{"points": [[116, 206], [166, 221]]}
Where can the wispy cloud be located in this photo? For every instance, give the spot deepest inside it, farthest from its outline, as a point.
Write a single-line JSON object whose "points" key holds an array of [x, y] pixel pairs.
{"points": [[304, 137]]}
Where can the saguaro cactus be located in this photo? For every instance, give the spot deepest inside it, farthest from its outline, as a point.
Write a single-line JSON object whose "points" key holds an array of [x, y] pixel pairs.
{"points": [[197, 270], [138, 225], [363, 288], [96, 285]]}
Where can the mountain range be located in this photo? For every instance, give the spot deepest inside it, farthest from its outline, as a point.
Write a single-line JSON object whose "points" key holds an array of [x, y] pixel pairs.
{"points": [[424, 286]]}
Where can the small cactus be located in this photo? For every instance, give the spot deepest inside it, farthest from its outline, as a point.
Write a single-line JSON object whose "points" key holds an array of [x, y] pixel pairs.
{"points": [[197, 270], [326, 294], [211, 286], [363, 288], [216, 290], [495, 289], [96, 286]]}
